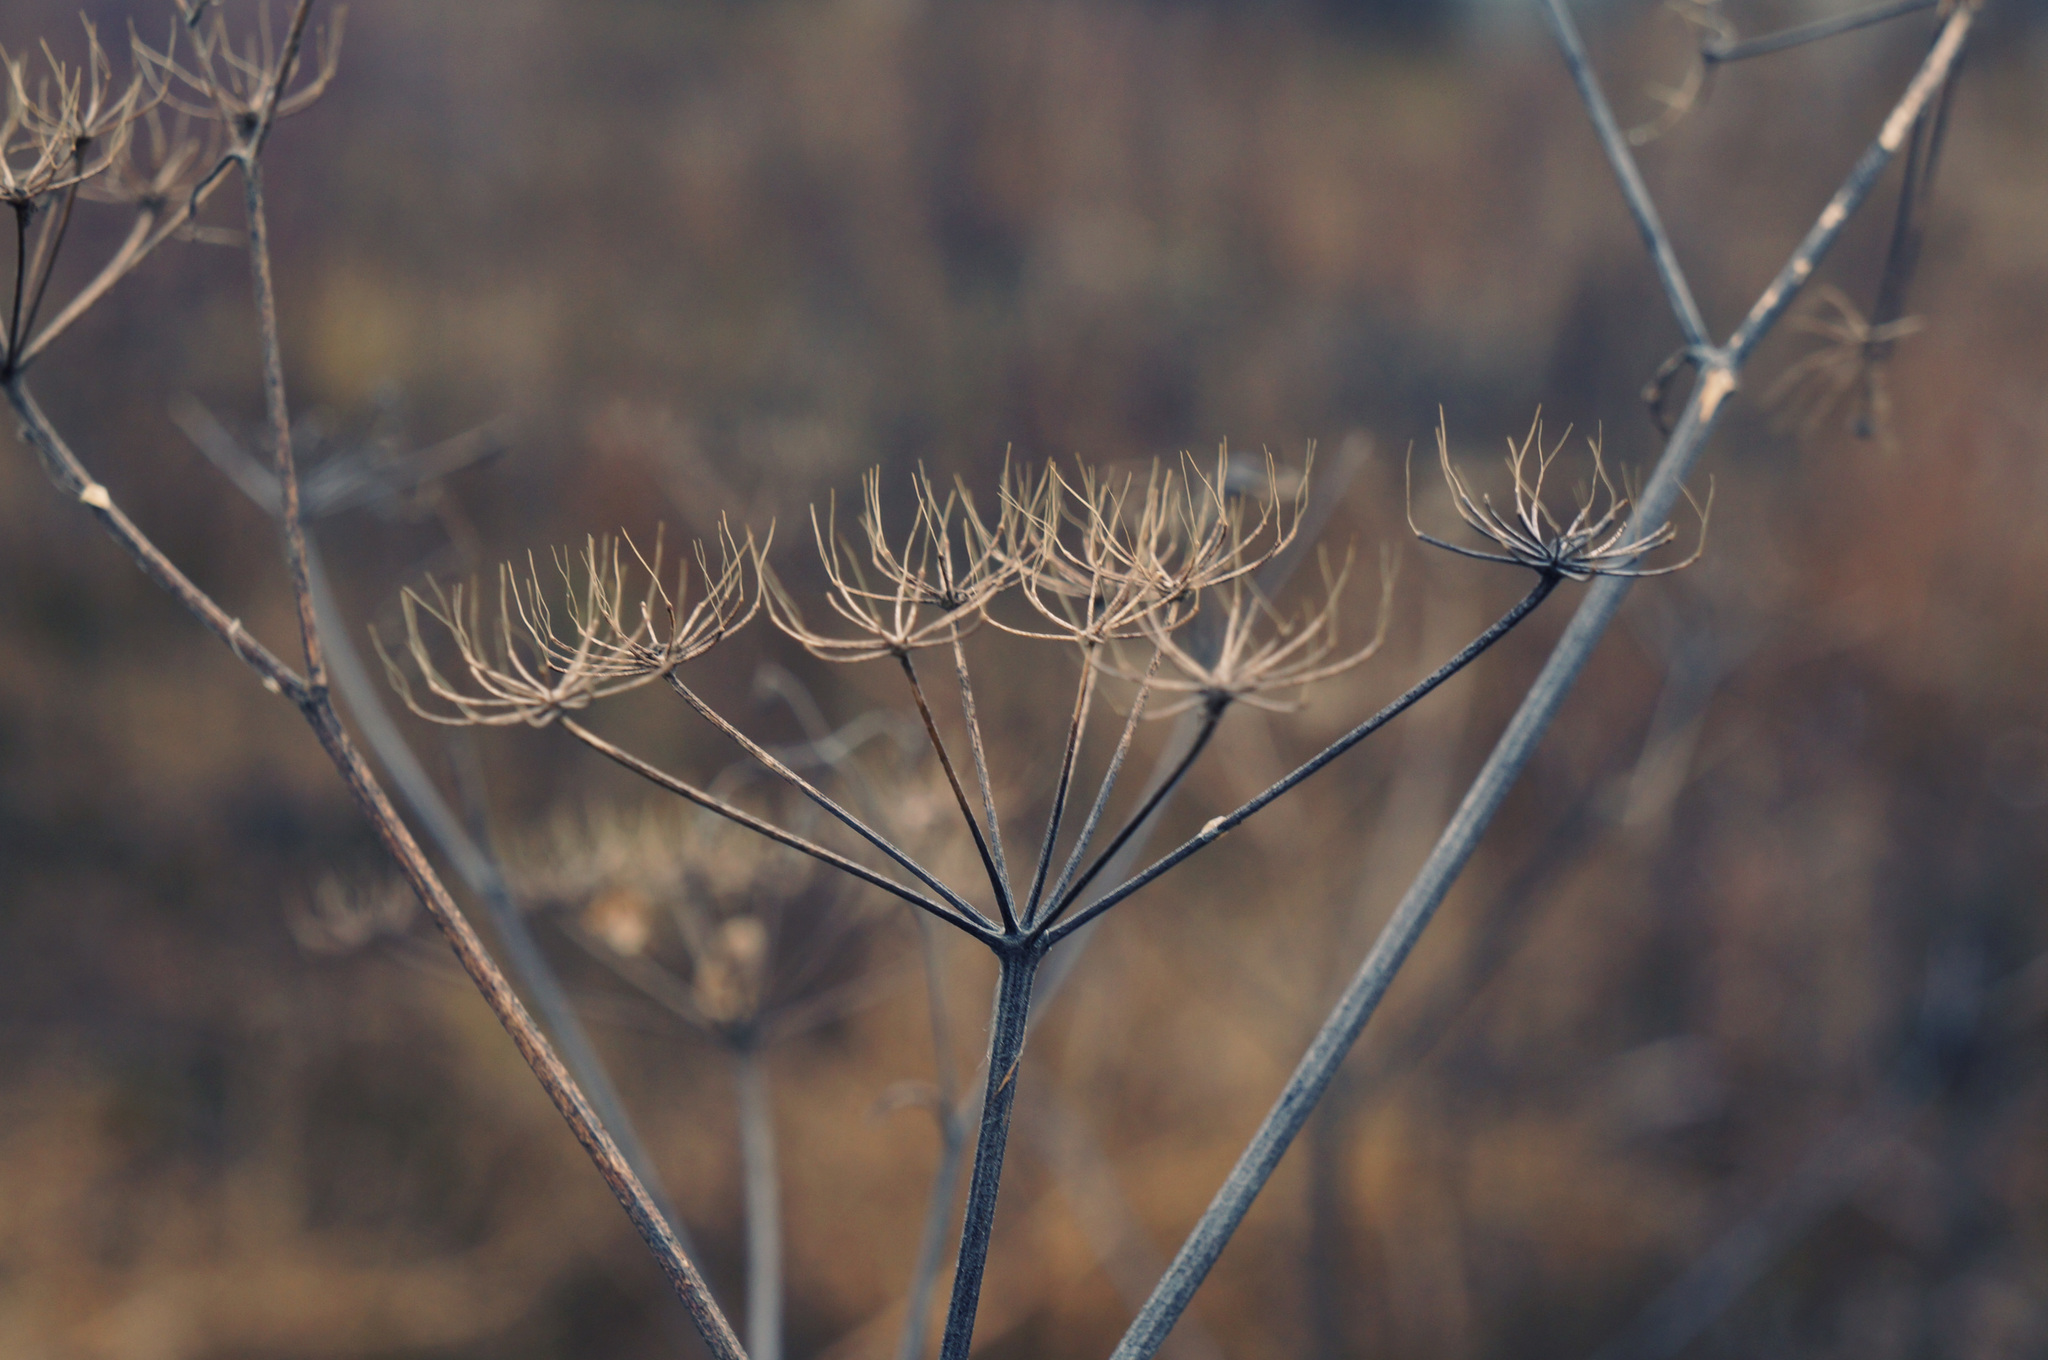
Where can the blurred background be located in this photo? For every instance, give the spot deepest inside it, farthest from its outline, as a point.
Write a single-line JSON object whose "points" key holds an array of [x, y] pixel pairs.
{"points": [[1730, 1040]]}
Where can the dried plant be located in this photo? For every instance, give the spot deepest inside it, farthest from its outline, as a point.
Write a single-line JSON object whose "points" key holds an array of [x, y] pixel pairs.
{"points": [[1102, 559], [245, 86], [1245, 651], [614, 629], [1707, 31], [343, 915], [1087, 563], [928, 591], [1848, 366], [1600, 538]]}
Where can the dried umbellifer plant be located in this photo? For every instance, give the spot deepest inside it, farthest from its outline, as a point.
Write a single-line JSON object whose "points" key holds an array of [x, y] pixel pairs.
{"points": [[1091, 564], [1086, 562]]}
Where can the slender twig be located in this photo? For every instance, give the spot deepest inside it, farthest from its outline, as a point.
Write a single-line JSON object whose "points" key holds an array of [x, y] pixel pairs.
{"points": [[1109, 778], [967, 918], [988, 798], [710, 803], [997, 880], [1217, 827], [1801, 34], [762, 1191], [1615, 143], [478, 865], [48, 246], [1784, 289], [1458, 841], [1084, 693], [1211, 717], [315, 706]]}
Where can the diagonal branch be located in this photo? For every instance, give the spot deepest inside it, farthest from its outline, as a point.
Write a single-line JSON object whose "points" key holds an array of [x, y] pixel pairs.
{"points": [[997, 879], [1482, 800], [1615, 143]]}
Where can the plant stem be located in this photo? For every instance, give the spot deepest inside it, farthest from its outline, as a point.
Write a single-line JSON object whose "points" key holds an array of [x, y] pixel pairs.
{"points": [[1788, 38], [1717, 380], [1220, 826], [988, 798], [762, 1190], [1109, 778], [1212, 715], [1082, 696], [997, 880], [1005, 1049], [969, 919]]}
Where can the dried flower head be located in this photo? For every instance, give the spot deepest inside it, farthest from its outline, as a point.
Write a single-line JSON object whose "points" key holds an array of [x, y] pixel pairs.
{"points": [[66, 126], [1102, 559], [1242, 650], [530, 663], [346, 914], [157, 165], [1707, 32], [244, 89], [711, 922], [927, 591], [1850, 360], [1598, 539]]}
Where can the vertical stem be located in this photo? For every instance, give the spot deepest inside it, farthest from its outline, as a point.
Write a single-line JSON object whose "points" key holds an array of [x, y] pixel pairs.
{"points": [[279, 414], [763, 1194], [1005, 1049]]}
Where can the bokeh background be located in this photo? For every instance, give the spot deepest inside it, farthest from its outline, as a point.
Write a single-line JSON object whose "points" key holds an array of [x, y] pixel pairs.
{"points": [[1743, 998]]}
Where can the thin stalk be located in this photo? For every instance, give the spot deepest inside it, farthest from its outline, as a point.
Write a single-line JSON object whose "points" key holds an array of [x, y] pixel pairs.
{"points": [[1801, 34], [988, 798], [1637, 194], [997, 880], [47, 247], [13, 339], [1217, 827], [1490, 787], [278, 411], [1212, 716], [1784, 290], [763, 1195], [967, 913], [479, 867], [1083, 695], [711, 803], [1109, 778], [1005, 1049]]}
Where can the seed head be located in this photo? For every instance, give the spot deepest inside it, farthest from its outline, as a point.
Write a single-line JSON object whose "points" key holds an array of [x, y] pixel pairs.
{"points": [[1598, 539]]}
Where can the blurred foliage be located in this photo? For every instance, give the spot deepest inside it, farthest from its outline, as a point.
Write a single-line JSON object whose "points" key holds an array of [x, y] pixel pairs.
{"points": [[1780, 862]]}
